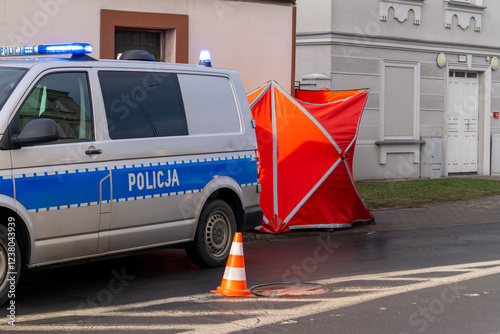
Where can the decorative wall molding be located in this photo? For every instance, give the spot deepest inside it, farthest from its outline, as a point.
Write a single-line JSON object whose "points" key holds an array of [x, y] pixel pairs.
{"points": [[464, 11], [401, 9]]}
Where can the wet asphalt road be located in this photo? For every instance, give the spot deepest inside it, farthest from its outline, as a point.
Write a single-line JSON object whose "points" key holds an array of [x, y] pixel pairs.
{"points": [[427, 280]]}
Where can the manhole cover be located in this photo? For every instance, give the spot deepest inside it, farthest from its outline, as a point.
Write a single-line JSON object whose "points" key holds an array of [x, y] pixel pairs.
{"points": [[290, 289]]}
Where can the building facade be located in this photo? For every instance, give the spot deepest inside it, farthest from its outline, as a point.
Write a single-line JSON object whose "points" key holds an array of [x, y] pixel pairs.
{"points": [[432, 71], [256, 38]]}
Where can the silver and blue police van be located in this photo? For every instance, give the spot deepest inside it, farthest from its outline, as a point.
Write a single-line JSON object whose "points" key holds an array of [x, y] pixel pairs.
{"points": [[106, 157]]}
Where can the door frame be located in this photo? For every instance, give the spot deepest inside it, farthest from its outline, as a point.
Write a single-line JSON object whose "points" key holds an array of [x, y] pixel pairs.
{"points": [[484, 113], [462, 143]]}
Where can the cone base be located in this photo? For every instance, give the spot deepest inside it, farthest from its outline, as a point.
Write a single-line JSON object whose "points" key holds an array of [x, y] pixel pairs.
{"points": [[233, 293]]}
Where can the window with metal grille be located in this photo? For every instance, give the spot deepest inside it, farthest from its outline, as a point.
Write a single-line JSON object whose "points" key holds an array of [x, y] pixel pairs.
{"points": [[133, 39]]}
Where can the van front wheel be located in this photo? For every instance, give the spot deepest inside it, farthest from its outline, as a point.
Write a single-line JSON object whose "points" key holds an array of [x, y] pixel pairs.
{"points": [[10, 264], [214, 235]]}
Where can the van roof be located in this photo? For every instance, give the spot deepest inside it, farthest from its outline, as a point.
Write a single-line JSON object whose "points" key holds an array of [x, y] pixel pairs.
{"points": [[52, 62]]}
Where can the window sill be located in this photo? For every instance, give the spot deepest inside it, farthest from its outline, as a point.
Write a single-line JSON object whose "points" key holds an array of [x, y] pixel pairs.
{"points": [[399, 146], [399, 142], [463, 5]]}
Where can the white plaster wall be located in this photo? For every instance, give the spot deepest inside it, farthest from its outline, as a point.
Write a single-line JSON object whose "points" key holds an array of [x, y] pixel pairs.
{"points": [[253, 38], [347, 17], [314, 15], [360, 42]]}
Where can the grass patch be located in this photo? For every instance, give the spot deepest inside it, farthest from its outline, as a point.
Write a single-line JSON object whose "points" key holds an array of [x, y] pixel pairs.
{"points": [[419, 193]]}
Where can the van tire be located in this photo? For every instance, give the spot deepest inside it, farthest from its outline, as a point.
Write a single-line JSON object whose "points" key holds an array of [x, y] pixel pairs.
{"points": [[214, 235], [5, 271]]}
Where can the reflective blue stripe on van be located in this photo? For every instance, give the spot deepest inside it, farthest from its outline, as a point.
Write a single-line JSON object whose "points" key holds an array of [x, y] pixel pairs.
{"points": [[180, 177], [48, 191], [59, 190], [6, 186]]}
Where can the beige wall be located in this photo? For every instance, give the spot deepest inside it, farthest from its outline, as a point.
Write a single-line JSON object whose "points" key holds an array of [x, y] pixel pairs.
{"points": [[251, 37], [254, 39]]}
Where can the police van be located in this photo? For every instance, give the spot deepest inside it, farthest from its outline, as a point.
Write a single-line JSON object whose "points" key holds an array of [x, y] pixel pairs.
{"points": [[104, 157]]}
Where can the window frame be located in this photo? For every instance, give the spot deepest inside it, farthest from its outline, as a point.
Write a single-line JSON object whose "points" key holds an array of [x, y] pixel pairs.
{"points": [[162, 45], [415, 66], [113, 19]]}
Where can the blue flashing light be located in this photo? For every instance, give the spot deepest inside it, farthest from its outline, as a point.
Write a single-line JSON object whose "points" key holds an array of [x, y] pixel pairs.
{"points": [[74, 48], [205, 58], [46, 49]]}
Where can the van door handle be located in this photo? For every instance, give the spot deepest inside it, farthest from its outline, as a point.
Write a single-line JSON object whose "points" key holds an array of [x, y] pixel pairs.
{"points": [[93, 151]]}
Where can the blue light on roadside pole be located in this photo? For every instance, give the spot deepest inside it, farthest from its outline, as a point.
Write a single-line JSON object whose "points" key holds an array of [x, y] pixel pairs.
{"points": [[205, 58]]}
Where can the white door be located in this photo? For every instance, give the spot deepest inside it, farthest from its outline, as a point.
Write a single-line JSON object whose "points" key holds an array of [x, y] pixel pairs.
{"points": [[462, 117]]}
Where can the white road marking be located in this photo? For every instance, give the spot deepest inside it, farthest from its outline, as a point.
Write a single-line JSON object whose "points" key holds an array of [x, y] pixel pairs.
{"points": [[254, 318], [181, 314], [91, 328], [90, 312], [325, 305]]}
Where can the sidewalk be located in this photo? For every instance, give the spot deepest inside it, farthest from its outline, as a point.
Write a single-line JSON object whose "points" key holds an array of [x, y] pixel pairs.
{"points": [[483, 210]]}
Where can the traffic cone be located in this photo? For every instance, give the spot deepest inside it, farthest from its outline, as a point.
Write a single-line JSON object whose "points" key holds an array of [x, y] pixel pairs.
{"points": [[234, 282]]}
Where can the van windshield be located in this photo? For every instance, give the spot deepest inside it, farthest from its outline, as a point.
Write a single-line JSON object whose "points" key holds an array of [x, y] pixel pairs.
{"points": [[9, 78]]}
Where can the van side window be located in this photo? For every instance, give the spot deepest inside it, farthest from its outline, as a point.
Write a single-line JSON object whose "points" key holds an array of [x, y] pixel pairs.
{"points": [[63, 97], [210, 103], [142, 104]]}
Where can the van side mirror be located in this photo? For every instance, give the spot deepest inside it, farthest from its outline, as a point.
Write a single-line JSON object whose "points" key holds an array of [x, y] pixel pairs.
{"points": [[39, 130]]}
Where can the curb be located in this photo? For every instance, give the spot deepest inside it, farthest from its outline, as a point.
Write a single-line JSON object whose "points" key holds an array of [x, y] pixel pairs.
{"points": [[357, 228]]}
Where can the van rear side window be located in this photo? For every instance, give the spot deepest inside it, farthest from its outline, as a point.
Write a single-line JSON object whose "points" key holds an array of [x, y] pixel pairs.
{"points": [[142, 104], [210, 104]]}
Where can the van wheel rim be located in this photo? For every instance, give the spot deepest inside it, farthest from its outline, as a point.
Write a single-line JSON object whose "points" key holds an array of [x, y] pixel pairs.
{"points": [[218, 233]]}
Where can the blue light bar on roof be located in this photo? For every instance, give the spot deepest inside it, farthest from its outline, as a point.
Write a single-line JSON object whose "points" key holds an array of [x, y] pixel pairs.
{"points": [[46, 49]]}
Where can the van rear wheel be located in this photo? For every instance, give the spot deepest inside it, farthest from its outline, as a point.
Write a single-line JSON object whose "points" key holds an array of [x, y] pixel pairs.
{"points": [[214, 235]]}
